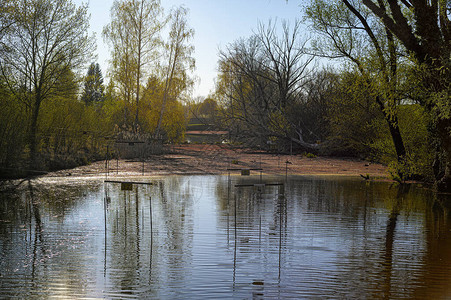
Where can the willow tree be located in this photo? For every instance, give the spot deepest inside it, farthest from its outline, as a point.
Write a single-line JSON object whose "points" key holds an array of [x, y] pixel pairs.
{"points": [[133, 35], [347, 31], [45, 40], [424, 29], [177, 61]]}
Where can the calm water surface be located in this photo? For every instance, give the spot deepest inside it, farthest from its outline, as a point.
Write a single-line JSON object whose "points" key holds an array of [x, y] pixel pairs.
{"points": [[210, 237]]}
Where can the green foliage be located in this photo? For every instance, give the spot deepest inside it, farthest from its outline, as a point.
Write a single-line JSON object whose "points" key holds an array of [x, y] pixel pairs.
{"points": [[133, 36], [71, 133], [413, 122], [353, 117], [43, 46], [13, 120], [310, 155], [208, 107]]}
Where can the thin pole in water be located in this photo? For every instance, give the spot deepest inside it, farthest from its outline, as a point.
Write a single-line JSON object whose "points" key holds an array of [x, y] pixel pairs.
{"points": [[228, 207], [235, 244], [286, 169], [282, 203], [106, 162], [143, 168], [104, 214], [150, 209], [260, 231], [104, 207]]}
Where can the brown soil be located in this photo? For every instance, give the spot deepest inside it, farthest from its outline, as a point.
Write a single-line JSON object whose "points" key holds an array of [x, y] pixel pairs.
{"points": [[191, 159]]}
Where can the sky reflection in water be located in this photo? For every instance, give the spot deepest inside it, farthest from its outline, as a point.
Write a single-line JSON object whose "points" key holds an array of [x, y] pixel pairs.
{"points": [[208, 238]]}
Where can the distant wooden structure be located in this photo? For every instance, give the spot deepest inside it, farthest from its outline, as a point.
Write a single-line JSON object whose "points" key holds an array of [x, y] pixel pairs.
{"points": [[245, 171], [134, 148]]}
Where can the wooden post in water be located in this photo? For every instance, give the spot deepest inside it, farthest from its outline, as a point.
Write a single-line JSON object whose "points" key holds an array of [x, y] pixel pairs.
{"points": [[151, 240]]}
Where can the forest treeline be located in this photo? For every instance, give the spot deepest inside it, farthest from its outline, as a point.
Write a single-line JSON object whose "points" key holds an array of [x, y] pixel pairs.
{"points": [[372, 80]]}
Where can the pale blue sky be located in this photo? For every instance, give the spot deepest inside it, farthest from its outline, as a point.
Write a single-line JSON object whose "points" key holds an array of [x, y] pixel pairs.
{"points": [[216, 24]]}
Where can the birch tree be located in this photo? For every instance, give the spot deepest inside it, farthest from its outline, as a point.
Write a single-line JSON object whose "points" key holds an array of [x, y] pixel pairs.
{"points": [[133, 35], [178, 51]]}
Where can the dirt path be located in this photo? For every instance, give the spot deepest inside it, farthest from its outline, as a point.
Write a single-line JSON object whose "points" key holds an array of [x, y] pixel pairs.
{"points": [[216, 159]]}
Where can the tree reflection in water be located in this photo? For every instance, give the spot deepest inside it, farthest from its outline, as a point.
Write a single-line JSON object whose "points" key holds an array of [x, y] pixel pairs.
{"points": [[387, 260], [313, 237]]}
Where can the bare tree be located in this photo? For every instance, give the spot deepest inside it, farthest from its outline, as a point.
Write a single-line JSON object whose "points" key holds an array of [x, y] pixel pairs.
{"points": [[263, 78]]}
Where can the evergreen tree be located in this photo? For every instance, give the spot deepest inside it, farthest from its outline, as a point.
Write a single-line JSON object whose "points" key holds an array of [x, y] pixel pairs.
{"points": [[93, 91]]}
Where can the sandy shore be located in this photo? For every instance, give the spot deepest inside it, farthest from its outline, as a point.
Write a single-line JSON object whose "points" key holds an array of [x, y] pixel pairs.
{"points": [[217, 159]]}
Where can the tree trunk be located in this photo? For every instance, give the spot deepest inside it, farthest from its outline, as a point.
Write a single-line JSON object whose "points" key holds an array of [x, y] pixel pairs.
{"points": [[32, 136], [397, 140], [395, 133], [138, 75], [443, 178], [300, 141]]}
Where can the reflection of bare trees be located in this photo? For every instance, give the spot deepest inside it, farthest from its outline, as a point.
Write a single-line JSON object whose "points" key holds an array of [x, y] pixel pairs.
{"points": [[20, 232], [150, 241], [124, 237], [364, 237], [257, 213], [38, 229], [34, 237], [370, 261], [175, 202]]}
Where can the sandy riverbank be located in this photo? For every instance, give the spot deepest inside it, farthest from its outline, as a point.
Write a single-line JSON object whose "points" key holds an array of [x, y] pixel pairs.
{"points": [[216, 159]]}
